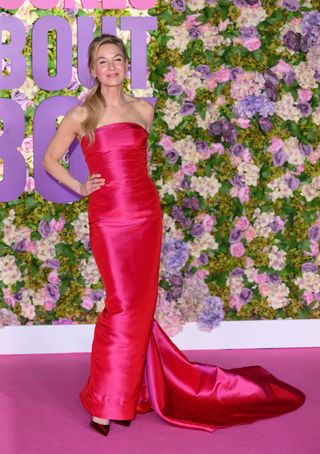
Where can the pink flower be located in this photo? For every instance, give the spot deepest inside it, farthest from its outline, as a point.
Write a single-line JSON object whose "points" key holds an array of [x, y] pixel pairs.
{"points": [[53, 277], [190, 94], [313, 157], [276, 144], [282, 67], [222, 75], [30, 246], [27, 143], [242, 223], [29, 186], [264, 289], [216, 148], [252, 44], [166, 142], [188, 168], [208, 222], [171, 75], [8, 297], [87, 302], [249, 262], [237, 249], [211, 83], [49, 304], [235, 301], [243, 195], [308, 296], [57, 226], [244, 123], [299, 169], [261, 278], [304, 94], [202, 274]]}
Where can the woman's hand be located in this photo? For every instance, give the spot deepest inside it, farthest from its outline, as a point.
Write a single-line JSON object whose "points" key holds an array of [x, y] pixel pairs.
{"points": [[92, 184]]}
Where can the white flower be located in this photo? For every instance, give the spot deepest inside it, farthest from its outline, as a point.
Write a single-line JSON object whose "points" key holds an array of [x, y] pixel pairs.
{"points": [[205, 186], [250, 173], [277, 258]]}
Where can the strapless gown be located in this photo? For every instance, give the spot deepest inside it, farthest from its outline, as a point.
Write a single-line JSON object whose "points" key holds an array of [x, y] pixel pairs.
{"points": [[135, 367]]}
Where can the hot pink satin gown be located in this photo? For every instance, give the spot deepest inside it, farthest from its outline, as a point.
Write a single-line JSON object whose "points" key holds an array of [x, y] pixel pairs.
{"points": [[135, 367]]}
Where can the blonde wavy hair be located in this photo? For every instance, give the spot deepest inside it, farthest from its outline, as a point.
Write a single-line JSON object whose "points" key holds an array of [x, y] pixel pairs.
{"points": [[94, 101]]}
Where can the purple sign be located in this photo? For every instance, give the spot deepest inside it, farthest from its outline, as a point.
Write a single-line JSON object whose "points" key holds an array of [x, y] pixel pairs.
{"points": [[15, 170]]}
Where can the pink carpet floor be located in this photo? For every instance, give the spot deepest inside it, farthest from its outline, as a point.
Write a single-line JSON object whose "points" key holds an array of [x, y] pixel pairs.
{"points": [[40, 411]]}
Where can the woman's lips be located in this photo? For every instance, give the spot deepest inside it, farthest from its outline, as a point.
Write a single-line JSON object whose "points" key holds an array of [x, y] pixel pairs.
{"points": [[113, 75]]}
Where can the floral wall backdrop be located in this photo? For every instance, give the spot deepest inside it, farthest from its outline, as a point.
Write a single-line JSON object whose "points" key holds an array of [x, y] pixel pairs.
{"points": [[235, 155]]}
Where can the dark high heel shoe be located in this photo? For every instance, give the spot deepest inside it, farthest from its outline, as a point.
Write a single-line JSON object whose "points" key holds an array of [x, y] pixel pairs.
{"points": [[123, 422], [102, 428]]}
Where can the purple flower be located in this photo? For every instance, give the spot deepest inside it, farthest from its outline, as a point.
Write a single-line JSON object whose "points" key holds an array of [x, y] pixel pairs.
{"points": [[188, 108], [174, 89], [277, 224], [293, 182], [248, 32], [305, 148], [52, 263], [314, 233], [265, 124], [309, 267], [20, 246], [289, 77], [44, 228], [291, 5], [246, 294], [192, 203], [97, 294], [273, 278], [205, 71], [271, 91], [279, 158], [251, 105], [175, 280], [229, 132], [251, 2], [178, 5], [237, 271], [201, 146], [215, 128], [237, 181], [53, 291], [270, 77], [172, 156], [194, 32], [235, 236], [185, 184], [237, 149], [197, 230], [203, 258], [174, 294], [305, 108], [174, 254], [211, 313], [292, 40], [18, 96]]}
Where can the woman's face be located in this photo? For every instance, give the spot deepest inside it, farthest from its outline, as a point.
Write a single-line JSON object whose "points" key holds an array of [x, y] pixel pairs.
{"points": [[109, 65]]}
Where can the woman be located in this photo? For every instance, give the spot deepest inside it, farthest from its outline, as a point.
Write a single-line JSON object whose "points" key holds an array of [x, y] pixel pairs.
{"points": [[135, 367]]}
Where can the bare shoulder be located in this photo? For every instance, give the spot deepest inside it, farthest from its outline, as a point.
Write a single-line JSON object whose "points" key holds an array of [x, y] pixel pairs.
{"points": [[146, 111], [73, 119], [77, 114]]}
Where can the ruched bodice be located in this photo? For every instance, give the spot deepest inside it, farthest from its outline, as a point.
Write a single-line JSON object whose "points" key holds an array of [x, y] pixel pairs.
{"points": [[119, 154]]}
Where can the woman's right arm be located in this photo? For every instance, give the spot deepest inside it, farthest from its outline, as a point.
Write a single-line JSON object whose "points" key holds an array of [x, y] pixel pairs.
{"points": [[66, 133]]}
